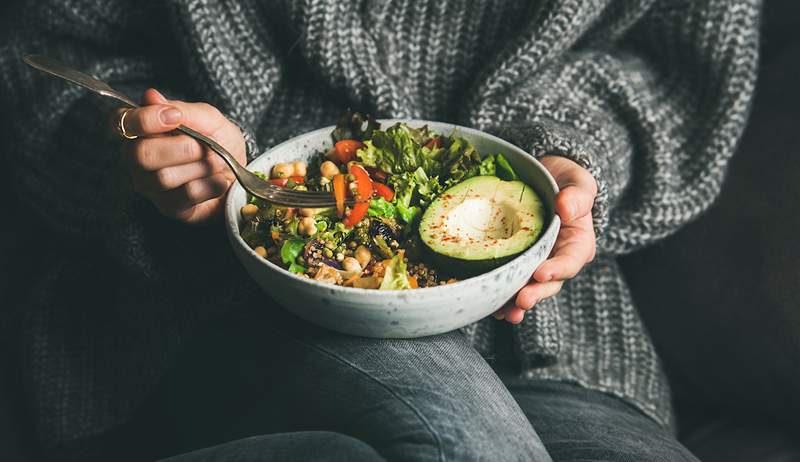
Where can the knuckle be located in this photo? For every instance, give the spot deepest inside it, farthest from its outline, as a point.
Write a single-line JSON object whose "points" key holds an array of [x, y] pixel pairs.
{"points": [[215, 118], [190, 148], [184, 215], [590, 181], [210, 111], [149, 121], [143, 154], [215, 163], [165, 178], [526, 296], [221, 183], [193, 191]]}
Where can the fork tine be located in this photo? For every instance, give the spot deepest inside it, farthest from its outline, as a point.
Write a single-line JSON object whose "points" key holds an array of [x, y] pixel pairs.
{"points": [[301, 199], [286, 197]]}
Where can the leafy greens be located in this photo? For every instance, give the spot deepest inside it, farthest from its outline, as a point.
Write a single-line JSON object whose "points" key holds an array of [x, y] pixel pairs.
{"points": [[396, 275]]}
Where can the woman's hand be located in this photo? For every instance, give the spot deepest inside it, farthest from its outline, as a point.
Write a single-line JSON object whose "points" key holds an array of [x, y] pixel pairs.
{"points": [[183, 178], [575, 246]]}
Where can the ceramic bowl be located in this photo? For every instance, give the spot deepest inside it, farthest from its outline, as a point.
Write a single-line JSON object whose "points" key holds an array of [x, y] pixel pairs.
{"points": [[396, 314]]}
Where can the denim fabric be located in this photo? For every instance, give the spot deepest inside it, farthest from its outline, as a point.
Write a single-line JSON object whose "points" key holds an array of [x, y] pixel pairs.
{"points": [[427, 399], [578, 424], [272, 387], [285, 447]]}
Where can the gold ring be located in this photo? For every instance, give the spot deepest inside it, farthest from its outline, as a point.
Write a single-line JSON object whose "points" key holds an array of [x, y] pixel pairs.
{"points": [[121, 126]]}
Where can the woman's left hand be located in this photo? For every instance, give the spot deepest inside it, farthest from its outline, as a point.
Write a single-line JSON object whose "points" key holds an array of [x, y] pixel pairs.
{"points": [[575, 246]]}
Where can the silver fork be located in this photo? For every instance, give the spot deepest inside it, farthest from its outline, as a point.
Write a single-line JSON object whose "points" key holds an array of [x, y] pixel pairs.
{"points": [[249, 181]]}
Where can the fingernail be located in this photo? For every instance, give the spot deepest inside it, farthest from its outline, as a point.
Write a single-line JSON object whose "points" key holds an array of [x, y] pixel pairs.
{"points": [[170, 116]]}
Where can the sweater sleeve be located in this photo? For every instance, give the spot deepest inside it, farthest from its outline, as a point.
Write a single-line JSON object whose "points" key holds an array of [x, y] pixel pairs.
{"points": [[652, 106], [62, 153]]}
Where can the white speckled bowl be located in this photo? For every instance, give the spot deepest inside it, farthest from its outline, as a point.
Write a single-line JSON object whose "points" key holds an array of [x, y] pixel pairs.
{"points": [[396, 314]]}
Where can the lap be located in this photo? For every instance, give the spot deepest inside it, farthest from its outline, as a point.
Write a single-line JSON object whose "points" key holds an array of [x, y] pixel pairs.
{"points": [[578, 424], [285, 447], [431, 398]]}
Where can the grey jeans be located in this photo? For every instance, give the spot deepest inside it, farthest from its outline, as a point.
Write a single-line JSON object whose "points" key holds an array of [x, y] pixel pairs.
{"points": [[275, 388]]}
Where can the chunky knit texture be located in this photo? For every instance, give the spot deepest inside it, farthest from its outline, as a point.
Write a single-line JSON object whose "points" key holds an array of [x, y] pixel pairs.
{"points": [[650, 96]]}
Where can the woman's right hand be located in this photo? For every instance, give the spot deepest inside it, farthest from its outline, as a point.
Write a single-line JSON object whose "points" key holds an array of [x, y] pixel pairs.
{"points": [[183, 178]]}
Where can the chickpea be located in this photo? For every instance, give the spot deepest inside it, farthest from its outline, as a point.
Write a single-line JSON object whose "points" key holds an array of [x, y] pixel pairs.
{"points": [[299, 168], [351, 265], [307, 226], [307, 212], [282, 170], [363, 256], [249, 211], [261, 251], [328, 169]]}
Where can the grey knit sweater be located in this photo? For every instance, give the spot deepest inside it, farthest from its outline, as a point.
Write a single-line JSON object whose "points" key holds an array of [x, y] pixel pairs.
{"points": [[650, 96]]}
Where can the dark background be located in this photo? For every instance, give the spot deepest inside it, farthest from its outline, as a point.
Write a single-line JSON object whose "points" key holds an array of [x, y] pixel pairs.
{"points": [[721, 298]]}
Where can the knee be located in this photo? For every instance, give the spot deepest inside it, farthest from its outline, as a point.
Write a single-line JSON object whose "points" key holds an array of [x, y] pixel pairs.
{"points": [[317, 446], [489, 440], [332, 446], [441, 433]]}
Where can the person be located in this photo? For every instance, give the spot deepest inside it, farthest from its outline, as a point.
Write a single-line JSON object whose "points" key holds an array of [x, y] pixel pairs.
{"points": [[139, 337]]}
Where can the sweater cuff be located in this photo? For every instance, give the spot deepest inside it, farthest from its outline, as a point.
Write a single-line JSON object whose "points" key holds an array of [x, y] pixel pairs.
{"points": [[250, 142], [551, 138]]}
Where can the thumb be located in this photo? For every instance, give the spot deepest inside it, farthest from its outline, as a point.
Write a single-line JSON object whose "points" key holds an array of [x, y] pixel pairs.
{"points": [[574, 202], [578, 187]]}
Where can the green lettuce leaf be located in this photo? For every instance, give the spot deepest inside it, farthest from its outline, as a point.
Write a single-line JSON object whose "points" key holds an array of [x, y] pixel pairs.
{"points": [[504, 170], [487, 166], [462, 161], [408, 214], [414, 188], [297, 268], [380, 207], [396, 275], [428, 188], [291, 249], [400, 149]]}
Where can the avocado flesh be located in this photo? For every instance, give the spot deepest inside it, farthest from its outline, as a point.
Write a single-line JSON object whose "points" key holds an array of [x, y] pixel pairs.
{"points": [[481, 223]]}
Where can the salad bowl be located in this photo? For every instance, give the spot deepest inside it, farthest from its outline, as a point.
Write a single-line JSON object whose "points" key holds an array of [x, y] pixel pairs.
{"points": [[396, 313]]}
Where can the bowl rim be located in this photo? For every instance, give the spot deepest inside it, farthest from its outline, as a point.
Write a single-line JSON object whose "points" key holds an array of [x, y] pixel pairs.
{"points": [[232, 216]]}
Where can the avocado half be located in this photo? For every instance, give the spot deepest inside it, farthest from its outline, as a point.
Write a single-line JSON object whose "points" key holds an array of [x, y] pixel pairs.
{"points": [[481, 223]]}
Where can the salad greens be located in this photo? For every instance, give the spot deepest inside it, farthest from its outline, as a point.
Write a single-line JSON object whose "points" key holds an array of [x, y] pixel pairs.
{"points": [[394, 174], [380, 207], [291, 249], [422, 164], [399, 149], [396, 275]]}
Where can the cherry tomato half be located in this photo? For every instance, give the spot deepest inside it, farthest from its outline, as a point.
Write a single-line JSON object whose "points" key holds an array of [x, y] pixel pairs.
{"points": [[346, 150]]}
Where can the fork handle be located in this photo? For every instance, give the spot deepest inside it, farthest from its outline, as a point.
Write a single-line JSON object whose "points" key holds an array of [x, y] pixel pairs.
{"points": [[237, 168]]}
